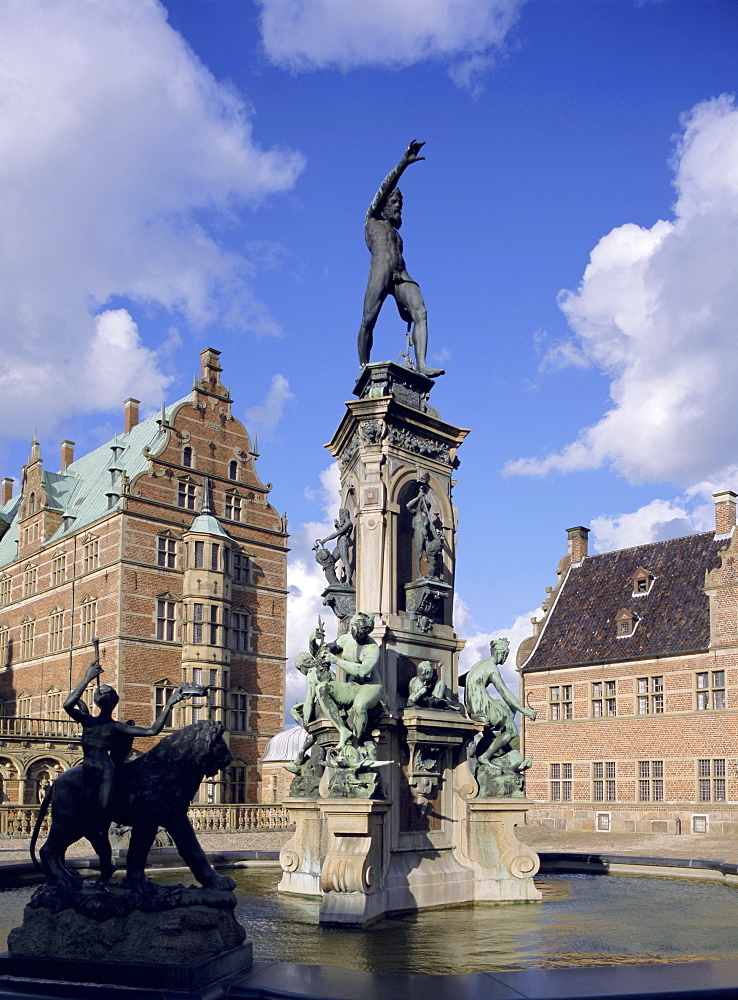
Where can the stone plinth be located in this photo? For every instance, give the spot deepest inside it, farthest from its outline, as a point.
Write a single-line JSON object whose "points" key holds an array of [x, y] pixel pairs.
{"points": [[46, 975], [189, 934], [301, 857], [355, 861], [503, 866], [341, 599], [339, 851]]}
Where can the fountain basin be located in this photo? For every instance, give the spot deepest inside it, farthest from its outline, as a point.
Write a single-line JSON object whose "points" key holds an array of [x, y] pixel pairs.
{"points": [[591, 937]]}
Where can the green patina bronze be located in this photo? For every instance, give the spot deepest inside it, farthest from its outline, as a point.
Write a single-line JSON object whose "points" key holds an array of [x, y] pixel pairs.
{"points": [[494, 754]]}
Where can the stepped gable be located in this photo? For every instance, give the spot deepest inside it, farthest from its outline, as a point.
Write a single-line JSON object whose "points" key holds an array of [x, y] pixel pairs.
{"points": [[81, 491], [673, 617]]}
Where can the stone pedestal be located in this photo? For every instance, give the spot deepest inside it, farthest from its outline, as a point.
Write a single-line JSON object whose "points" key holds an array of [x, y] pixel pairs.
{"points": [[355, 860], [339, 851], [503, 866], [424, 600], [301, 857], [341, 599], [92, 935], [431, 841]]}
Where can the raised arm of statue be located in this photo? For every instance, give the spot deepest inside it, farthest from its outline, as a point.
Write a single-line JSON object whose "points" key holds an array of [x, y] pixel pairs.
{"points": [[390, 182], [179, 694], [70, 705], [317, 638], [423, 495]]}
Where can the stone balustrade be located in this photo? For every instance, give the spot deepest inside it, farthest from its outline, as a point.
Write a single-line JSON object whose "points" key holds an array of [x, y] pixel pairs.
{"points": [[17, 821], [13, 728], [233, 818]]}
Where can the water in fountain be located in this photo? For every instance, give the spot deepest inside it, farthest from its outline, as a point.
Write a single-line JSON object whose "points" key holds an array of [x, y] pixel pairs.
{"points": [[586, 920]]}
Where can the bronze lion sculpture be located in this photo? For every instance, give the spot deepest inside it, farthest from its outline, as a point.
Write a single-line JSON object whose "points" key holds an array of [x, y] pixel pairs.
{"points": [[151, 791]]}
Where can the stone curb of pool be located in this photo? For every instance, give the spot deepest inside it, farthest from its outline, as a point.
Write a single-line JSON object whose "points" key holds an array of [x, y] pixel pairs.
{"points": [[287, 981], [14, 873]]}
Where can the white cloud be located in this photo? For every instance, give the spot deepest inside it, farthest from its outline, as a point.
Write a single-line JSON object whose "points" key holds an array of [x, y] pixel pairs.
{"points": [[315, 34], [656, 521], [116, 143], [656, 313], [118, 365], [264, 417], [477, 642], [558, 353]]}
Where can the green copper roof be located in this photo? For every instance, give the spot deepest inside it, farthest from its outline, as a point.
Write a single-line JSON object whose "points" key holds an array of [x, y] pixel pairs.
{"points": [[205, 522], [208, 524], [82, 493]]}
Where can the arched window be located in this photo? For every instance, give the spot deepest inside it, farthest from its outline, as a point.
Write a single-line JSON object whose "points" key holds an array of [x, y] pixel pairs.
{"points": [[233, 470], [32, 504], [187, 457]]}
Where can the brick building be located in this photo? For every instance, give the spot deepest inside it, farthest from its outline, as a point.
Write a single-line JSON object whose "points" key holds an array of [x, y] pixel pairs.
{"points": [[163, 544], [633, 670]]}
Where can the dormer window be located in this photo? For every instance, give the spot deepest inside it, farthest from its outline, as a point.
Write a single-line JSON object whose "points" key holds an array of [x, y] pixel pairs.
{"points": [[642, 581], [625, 623]]}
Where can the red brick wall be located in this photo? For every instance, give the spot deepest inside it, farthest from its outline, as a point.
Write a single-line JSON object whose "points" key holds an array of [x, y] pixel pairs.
{"points": [[679, 736], [127, 581]]}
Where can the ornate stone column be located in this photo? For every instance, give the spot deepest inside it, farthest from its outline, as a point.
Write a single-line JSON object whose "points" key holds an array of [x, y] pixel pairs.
{"points": [[390, 440]]}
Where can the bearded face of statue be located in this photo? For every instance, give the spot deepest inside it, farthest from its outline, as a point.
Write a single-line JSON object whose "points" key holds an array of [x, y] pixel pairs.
{"points": [[393, 209]]}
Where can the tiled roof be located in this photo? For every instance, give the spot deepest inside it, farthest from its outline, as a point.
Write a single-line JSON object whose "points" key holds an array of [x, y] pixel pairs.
{"points": [[82, 491], [673, 617]]}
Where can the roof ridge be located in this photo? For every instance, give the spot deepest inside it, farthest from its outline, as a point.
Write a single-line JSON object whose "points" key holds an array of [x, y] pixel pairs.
{"points": [[660, 541]]}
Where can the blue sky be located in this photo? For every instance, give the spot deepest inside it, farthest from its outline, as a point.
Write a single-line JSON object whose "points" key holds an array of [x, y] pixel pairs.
{"points": [[195, 173]]}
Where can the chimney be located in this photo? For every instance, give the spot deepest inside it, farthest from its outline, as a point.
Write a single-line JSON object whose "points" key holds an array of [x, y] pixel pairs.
{"points": [[577, 543], [724, 512], [7, 490], [130, 411], [67, 454], [210, 365]]}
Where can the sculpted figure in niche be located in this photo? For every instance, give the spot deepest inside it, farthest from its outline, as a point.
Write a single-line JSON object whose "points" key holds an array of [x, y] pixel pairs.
{"points": [[428, 690], [434, 552], [44, 784], [358, 654], [387, 272], [427, 537], [344, 526], [498, 714]]}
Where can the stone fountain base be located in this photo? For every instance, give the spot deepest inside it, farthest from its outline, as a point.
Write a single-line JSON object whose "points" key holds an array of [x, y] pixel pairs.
{"points": [[341, 851]]}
